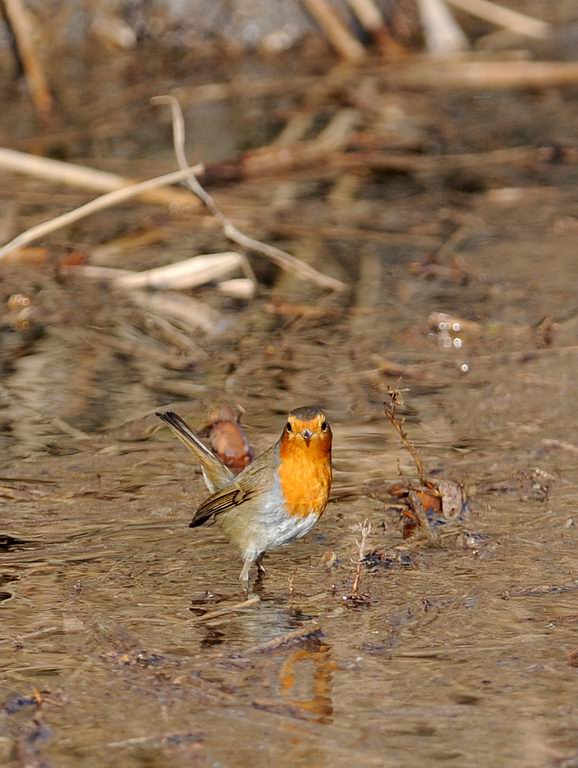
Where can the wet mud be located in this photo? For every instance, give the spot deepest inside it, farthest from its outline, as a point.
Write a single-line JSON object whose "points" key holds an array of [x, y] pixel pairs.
{"points": [[125, 638]]}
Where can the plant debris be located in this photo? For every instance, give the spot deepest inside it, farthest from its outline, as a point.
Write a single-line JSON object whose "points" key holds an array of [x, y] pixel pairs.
{"points": [[424, 505]]}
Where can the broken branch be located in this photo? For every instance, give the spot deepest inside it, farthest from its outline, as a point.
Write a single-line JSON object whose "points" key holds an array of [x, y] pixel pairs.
{"points": [[99, 204], [276, 255], [81, 176]]}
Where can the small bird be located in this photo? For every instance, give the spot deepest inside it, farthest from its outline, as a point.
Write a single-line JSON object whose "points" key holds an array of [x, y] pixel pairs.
{"points": [[277, 498], [227, 437]]}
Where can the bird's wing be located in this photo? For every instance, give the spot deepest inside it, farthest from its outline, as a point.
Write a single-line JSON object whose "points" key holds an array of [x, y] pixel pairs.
{"points": [[256, 479]]}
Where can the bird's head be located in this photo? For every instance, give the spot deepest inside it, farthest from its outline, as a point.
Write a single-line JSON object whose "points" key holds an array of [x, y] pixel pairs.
{"points": [[307, 428]]}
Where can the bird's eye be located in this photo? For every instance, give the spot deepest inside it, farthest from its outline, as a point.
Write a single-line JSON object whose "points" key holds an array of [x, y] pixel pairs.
{"points": [[324, 426], [288, 427]]}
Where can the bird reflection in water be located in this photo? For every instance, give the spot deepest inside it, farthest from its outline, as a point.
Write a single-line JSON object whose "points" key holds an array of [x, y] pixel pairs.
{"points": [[306, 681]]}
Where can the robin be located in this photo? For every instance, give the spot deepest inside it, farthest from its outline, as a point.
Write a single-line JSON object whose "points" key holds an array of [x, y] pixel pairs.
{"points": [[277, 498], [227, 437]]}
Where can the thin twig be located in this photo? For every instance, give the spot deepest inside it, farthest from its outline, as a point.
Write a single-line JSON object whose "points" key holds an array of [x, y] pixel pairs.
{"points": [[339, 35], [390, 410], [364, 530], [36, 80], [230, 609], [99, 204], [88, 178], [504, 17], [276, 255]]}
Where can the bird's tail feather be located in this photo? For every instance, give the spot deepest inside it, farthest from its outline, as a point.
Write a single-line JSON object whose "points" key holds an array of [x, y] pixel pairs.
{"points": [[215, 473]]}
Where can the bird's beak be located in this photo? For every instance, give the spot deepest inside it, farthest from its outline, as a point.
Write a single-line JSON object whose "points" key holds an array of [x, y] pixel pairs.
{"points": [[307, 435]]}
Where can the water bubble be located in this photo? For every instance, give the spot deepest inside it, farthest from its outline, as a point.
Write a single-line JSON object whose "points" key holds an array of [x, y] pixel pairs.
{"points": [[251, 33]]}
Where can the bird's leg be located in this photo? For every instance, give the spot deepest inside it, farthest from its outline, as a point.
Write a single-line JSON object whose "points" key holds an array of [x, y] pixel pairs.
{"points": [[260, 567], [244, 577]]}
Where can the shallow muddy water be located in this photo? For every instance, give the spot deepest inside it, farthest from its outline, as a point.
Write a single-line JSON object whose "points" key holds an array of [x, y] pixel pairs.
{"points": [[120, 643]]}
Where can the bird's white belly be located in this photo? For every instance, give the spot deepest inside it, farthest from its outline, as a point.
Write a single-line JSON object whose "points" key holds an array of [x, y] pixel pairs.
{"points": [[281, 528]]}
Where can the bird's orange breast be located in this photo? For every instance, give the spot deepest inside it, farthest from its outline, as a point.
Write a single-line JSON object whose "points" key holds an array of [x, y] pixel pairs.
{"points": [[305, 475]]}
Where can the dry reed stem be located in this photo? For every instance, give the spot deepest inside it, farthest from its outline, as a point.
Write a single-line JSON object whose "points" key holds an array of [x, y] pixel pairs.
{"points": [[364, 531], [390, 410], [337, 32], [276, 255], [486, 75], [99, 204], [181, 275], [335, 134], [443, 36], [36, 80], [368, 14], [237, 288], [186, 274], [294, 130], [184, 309], [507, 18], [87, 178], [96, 272]]}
